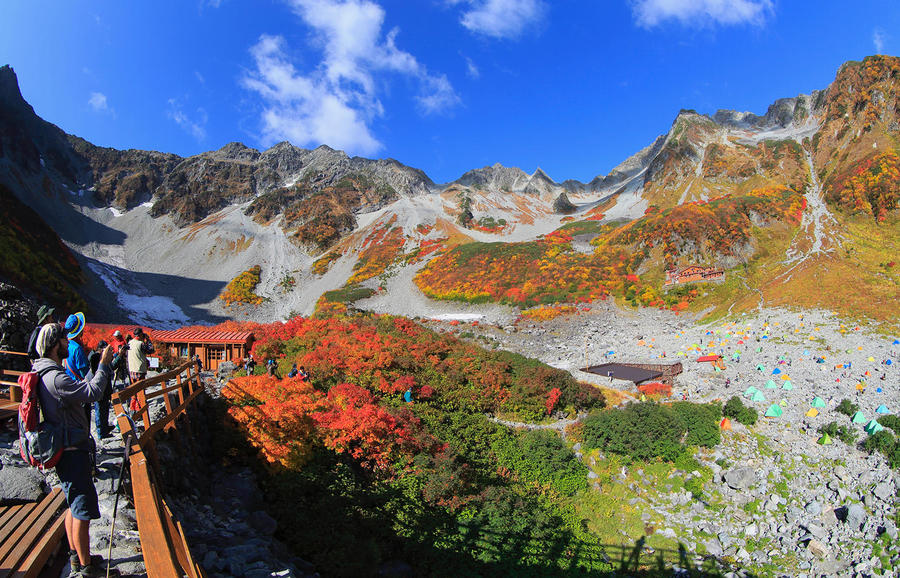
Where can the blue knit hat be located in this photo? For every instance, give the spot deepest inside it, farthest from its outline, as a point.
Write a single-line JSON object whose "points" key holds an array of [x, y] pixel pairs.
{"points": [[74, 325]]}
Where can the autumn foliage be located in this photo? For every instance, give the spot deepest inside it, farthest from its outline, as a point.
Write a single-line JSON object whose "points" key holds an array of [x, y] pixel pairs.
{"points": [[526, 274], [872, 187], [241, 288], [717, 227], [361, 367], [380, 248]]}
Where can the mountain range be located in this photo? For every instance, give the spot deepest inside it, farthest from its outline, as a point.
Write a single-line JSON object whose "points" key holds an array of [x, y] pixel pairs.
{"points": [[799, 199]]}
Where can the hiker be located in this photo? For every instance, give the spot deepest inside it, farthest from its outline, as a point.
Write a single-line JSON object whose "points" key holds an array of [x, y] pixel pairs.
{"points": [[293, 372], [101, 406], [198, 362], [304, 376], [271, 368], [44, 315], [120, 371], [61, 399], [76, 363], [138, 348]]}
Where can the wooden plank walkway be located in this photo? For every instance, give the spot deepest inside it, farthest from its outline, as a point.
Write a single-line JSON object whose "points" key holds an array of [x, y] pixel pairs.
{"points": [[163, 543], [30, 534]]}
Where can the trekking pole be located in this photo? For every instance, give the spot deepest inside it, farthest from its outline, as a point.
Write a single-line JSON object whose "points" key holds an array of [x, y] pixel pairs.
{"points": [[112, 529]]}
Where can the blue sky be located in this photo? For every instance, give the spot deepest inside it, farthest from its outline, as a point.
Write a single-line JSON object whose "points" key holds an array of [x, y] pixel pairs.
{"points": [[571, 86]]}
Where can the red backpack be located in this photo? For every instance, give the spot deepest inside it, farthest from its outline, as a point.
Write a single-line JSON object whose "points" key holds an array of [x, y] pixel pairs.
{"points": [[40, 442]]}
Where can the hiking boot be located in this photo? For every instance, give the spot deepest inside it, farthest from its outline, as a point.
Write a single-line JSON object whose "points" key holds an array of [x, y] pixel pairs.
{"points": [[74, 562], [96, 568]]}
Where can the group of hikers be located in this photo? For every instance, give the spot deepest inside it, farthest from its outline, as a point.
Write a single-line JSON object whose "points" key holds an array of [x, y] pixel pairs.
{"points": [[72, 383], [272, 369]]}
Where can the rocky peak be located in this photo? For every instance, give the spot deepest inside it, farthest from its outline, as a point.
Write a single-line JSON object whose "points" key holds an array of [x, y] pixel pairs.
{"points": [[235, 151], [10, 94]]}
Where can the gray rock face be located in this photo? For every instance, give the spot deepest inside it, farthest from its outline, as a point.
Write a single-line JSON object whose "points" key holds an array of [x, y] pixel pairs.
{"points": [[20, 484], [884, 490], [856, 516], [713, 547], [740, 478]]}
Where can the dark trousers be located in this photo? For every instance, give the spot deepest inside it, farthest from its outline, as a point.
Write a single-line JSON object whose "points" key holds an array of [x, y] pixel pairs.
{"points": [[101, 412]]}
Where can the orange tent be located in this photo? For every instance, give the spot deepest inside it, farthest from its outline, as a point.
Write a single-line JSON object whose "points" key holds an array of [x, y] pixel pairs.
{"points": [[725, 424]]}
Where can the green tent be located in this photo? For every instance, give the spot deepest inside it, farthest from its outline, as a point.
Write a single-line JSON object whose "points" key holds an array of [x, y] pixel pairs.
{"points": [[771, 385], [787, 385], [758, 396], [859, 417], [818, 402], [873, 427], [774, 410], [760, 368], [750, 391], [759, 349], [825, 440]]}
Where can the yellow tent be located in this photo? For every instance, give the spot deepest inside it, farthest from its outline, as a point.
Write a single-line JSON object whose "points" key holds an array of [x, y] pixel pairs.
{"points": [[813, 412]]}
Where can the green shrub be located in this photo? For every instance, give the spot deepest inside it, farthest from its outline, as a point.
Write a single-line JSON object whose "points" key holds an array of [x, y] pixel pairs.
{"points": [[695, 487], [841, 432], [701, 421], [736, 410], [882, 441], [639, 430], [847, 407], [541, 456], [885, 443], [890, 421]]}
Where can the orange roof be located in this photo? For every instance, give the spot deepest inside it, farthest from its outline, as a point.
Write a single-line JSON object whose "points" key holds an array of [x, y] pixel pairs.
{"points": [[201, 335]]}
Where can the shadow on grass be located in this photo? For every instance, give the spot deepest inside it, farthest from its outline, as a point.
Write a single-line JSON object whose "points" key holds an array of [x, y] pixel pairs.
{"points": [[335, 518]]}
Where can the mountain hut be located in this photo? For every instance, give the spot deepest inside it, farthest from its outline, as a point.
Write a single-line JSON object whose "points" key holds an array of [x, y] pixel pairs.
{"points": [[213, 346]]}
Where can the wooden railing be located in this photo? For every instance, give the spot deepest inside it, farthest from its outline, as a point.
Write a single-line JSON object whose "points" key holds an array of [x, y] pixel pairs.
{"points": [[9, 404], [165, 549]]}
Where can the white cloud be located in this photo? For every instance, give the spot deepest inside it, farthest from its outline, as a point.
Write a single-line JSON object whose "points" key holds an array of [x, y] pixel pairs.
{"points": [[336, 102], [501, 18], [878, 38], [472, 69], [196, 126], [650, 13], [98, 102]]}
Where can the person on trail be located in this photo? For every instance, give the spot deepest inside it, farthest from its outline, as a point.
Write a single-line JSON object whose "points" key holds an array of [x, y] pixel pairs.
{"points": [[198, 362], [272, 369], [293, 372], [120, 371], [76, 362], [138, 348], [303, 374], [44, 315], [62, 399], [101, 407]]}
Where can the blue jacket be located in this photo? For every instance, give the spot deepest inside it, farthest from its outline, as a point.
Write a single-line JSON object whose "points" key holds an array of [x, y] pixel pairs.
{"points": [[77, 365]]}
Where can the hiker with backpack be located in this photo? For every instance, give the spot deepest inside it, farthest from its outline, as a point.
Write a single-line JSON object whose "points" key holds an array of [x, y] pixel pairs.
{"points": [[61, 400], [138, 348]]}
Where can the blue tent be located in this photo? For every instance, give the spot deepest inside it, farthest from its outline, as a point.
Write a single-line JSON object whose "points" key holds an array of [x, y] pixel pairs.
{"points": [[888, 362], [897, 342], [882, 409], [776, 371]]}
